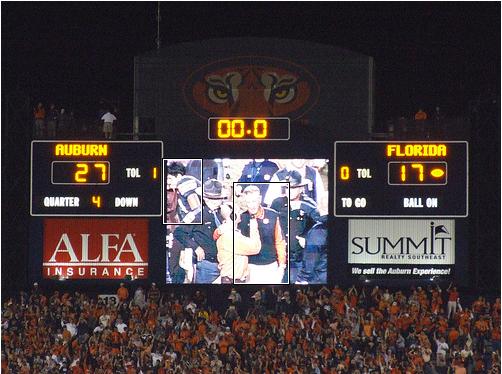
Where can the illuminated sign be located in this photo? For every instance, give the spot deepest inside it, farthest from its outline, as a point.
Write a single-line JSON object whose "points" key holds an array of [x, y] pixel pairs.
{"points": [[247, 128], [410, 248], [401, 179], [95, 249], [80, 172], [116, 178], [416, 150], [72, 149], [417, 173]]}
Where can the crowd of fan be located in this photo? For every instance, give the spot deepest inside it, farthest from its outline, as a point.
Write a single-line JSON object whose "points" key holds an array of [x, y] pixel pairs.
{"points": [[272, 330]]}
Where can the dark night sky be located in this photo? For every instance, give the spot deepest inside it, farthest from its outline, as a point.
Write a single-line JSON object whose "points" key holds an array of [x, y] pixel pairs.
{"points": [[426, 54]]}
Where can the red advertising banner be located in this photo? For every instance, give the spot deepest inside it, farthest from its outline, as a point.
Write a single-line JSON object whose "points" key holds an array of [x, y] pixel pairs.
{"points": [[95, 249]]}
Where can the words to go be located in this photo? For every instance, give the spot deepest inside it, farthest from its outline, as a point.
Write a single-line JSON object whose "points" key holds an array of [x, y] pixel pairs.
{"points": [[359, 202]]}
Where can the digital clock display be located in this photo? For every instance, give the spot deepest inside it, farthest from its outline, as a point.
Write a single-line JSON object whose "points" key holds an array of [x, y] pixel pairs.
{"points": [[248, 128]]}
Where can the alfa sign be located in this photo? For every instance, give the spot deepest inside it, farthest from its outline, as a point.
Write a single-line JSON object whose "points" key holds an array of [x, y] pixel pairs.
{"points": [[95, 249]]}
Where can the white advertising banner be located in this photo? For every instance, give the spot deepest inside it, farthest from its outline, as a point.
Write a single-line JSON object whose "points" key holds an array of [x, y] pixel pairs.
{"points": [[402, 242]]}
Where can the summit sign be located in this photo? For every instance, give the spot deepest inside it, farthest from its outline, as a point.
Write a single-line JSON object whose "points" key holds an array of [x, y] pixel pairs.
{"points": [[402, 242]]}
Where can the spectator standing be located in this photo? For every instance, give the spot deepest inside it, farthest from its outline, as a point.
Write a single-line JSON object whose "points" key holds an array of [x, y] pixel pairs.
{"points": [[453, 299], [102, 109], [422, 123], [235, 297], [122, 293], [64, 123], [438, 120], [39, 120], [154, 294], [420, 115], [52, 121], [139, 297], [108, 118], [35, 291], [441, 353]]}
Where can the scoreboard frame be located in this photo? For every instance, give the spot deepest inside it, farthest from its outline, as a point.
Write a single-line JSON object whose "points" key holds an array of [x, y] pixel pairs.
{"points": [[390, 216], [96, 141]]}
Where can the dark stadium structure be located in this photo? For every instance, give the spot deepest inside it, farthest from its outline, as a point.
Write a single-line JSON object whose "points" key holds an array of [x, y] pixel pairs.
{"points": [[326, 95]]}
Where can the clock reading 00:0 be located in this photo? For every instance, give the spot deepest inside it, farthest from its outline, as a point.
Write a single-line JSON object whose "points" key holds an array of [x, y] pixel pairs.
{"points": [[273, 128], [80, 172], [236, 129]]}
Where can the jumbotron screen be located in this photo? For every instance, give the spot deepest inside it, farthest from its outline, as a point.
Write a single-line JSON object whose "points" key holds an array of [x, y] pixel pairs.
{"points": [[261, 171]]}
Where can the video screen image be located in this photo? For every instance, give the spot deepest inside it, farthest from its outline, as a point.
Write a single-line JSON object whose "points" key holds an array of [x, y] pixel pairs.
{"points": [[246, 221]]}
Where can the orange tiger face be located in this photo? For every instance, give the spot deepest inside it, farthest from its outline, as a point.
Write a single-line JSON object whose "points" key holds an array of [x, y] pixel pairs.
{"points": [[245, 89]]}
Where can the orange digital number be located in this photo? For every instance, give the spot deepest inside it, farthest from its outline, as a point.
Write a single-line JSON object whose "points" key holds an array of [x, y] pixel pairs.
{"points": [[260, 128], [80, 174], [224, 128], [238, 128], [344, 173], [104, 173], [96, 200], [420, 168]]}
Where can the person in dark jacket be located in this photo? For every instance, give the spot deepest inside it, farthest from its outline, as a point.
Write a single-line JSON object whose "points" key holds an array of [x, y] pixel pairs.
{"points": [[202, 238], [269, 265], [259, 171], [302, 215]]}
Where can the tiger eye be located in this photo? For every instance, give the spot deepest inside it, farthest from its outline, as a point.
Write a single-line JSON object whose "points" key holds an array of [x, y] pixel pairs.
{"points": [[281, 94]]}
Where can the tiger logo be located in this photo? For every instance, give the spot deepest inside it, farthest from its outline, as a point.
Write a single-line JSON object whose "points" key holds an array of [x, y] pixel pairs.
{"points": [[251, 87]]}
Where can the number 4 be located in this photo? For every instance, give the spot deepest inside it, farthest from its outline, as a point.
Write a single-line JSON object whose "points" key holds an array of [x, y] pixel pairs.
{"points": [[96, 200]]}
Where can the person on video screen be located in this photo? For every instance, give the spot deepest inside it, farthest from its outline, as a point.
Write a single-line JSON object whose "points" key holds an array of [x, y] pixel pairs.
{"points": [[209, 169], [174, 272], [314, 269], [303, 214], [188, 190], [259, 171], [267, 266], [314, 187], [234, 249], [202, 238]]}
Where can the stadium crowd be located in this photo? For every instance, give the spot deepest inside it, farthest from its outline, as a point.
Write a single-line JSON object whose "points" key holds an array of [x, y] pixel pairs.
{"points": [[267, 330]]}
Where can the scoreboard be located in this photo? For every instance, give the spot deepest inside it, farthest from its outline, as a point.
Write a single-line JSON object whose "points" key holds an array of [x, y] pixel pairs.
{"points": [[250, 129], [401, 179], [113, 178]]}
